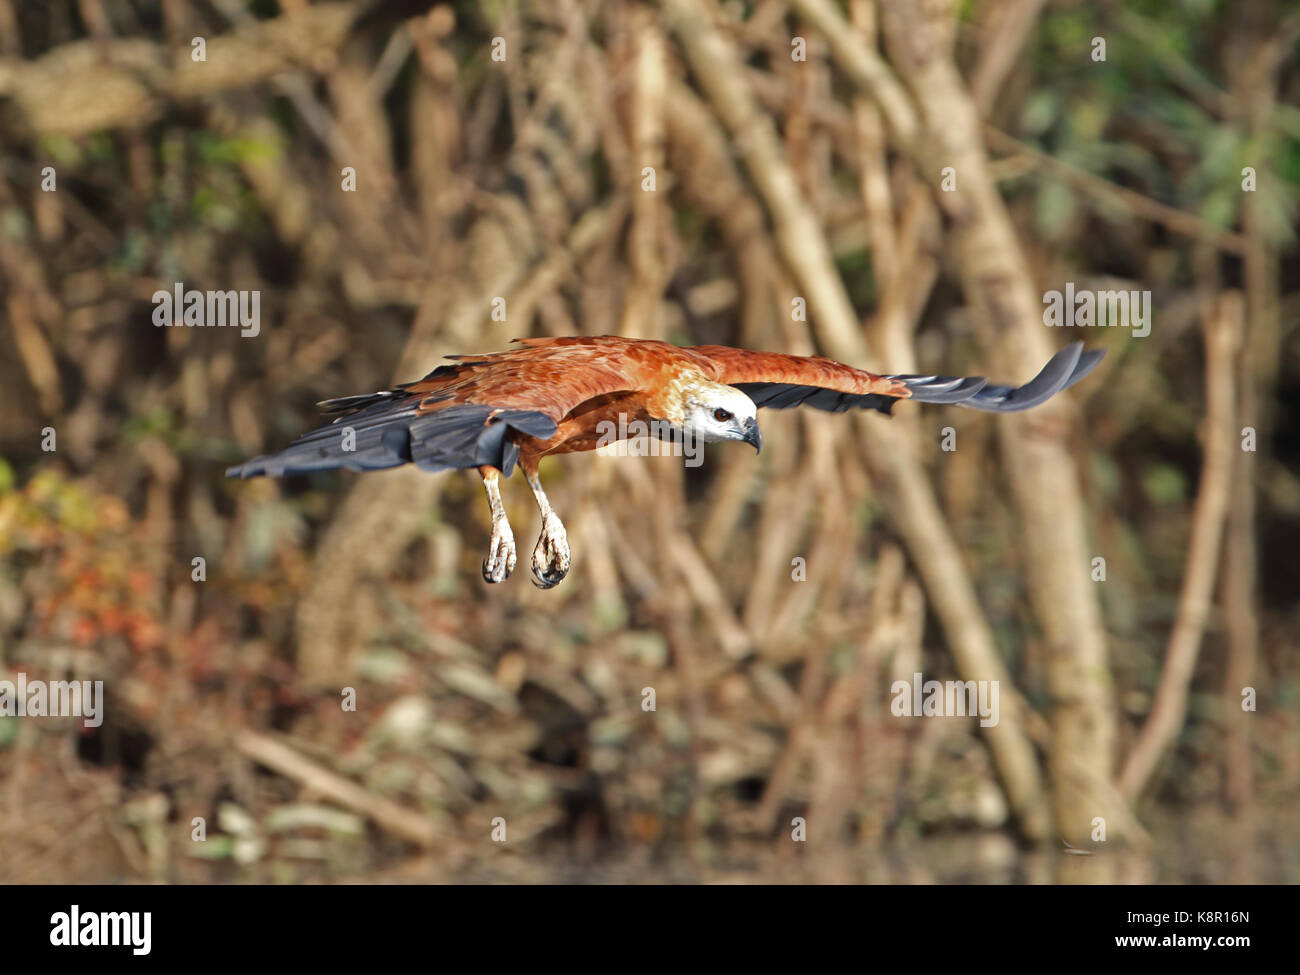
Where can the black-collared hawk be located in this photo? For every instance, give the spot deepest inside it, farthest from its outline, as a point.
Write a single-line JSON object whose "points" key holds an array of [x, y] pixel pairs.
{"points": [[561, 395]]}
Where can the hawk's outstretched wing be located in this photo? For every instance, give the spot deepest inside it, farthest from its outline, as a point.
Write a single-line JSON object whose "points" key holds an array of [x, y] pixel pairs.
{"points": [[457, 416], [781, 381]]}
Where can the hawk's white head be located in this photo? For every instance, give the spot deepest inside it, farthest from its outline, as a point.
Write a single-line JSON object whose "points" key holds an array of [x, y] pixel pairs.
{"points": [[715, 412]]}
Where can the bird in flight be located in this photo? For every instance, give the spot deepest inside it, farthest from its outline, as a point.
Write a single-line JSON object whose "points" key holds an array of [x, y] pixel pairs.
{"points": [[564, 395]]}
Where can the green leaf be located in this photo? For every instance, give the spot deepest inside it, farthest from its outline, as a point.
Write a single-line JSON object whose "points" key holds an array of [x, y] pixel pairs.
{"points": [[1164, 484]]}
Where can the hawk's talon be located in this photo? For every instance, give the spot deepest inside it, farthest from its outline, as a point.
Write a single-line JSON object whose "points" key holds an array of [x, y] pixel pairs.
{"points": [[551, 558], [500, 561]]}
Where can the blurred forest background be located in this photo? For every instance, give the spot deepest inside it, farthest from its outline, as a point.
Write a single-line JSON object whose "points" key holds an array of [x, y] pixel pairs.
{"points": [[681, 170]]}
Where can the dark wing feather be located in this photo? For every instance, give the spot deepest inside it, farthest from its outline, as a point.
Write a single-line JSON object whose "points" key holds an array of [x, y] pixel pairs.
{"points": [[469, 414], [779, 381], [1062, 371], [393, 433]]}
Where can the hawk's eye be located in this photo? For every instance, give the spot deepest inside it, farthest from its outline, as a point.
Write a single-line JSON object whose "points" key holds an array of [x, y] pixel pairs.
{"points": [[722, 416]]}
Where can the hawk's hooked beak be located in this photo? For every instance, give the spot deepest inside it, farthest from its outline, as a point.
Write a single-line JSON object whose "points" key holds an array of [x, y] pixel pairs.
{"points": [[753, 436]]}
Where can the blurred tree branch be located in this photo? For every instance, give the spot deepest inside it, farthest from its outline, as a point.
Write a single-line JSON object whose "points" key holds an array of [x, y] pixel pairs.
{"points": [[1223, 329], [86, 86]]}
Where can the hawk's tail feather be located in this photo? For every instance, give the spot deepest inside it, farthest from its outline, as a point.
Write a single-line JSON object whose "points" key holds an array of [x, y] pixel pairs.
{"points": [[353, 404]]}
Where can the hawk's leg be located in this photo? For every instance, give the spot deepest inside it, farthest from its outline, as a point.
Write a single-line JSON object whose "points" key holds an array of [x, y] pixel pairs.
{"points": [[551, 556], [500, 561]]}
